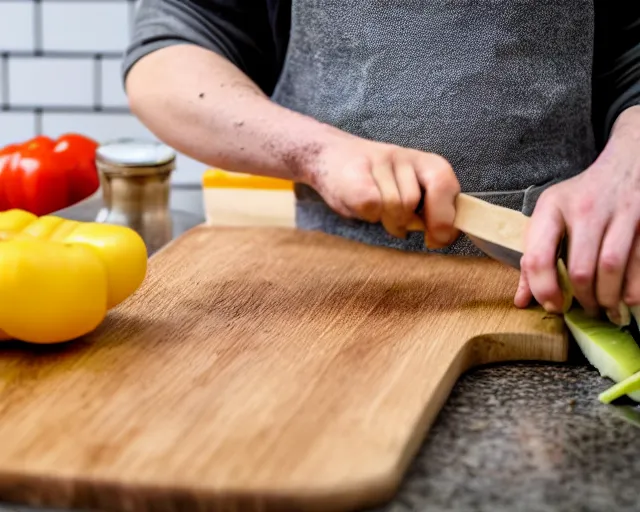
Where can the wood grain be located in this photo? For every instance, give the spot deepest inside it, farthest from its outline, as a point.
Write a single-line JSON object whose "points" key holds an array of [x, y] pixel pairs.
{"points": [[258, 369]]}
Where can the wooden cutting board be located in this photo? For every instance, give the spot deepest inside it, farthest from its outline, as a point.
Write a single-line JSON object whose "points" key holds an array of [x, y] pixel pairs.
{"points": [[258, 369]]}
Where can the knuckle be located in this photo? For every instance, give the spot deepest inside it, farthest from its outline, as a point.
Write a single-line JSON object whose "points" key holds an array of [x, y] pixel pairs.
{"points": [[551, 197], [631, 296], [411, 201], [611, 262], [585, 205], [440, 163], [444, 187], [532, 263], [439, 173], [367, 201], [545, 197], [391, 152], [337, 206], [394, 205], [581, 277], [546, 293], [440, 225], [545, 290], [361, 165]]}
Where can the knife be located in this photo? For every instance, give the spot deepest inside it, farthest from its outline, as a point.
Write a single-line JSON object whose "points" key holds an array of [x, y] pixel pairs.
{"points": [[499, 232]]}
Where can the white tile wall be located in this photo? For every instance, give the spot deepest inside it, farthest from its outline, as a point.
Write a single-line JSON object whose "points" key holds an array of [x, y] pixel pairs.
{"points": [[102, 126], [85, 26], [16, 126], [112, 91], [1, 84], [51, 82], [62, 81], [16, 25]]}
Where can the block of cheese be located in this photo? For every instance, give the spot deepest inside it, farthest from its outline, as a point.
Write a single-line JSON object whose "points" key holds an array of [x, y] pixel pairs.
{"points": [[235, 199]]}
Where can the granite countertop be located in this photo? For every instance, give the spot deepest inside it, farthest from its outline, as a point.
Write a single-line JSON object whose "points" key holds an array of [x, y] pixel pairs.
{"points": [[517, 437], [527, 437]]}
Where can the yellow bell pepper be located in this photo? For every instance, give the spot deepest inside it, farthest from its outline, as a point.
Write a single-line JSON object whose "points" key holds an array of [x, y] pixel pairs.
{"points": [[59, 278]]}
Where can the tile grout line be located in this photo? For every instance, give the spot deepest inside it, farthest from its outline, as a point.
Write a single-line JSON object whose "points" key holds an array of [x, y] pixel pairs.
{"points": [[37, 118], [97, 83], [132, 15], [5, 81], [37, 44], [37, 26], [61, 54], [69, 109]]}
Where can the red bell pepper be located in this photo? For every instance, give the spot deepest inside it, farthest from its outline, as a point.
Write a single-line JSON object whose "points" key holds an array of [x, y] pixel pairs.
{"points": [[83, 176], [42, 175], [6, 155]]}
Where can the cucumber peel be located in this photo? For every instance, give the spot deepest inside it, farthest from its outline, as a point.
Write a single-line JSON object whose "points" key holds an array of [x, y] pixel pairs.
{"points": [[611, 350]]}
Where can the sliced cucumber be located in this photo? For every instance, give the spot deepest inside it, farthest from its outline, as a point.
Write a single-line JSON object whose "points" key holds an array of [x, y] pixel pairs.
{"points": [[612, 351], [629, 386]]}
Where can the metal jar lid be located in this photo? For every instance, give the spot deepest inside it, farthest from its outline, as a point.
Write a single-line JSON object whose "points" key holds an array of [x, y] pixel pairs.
{"points": [[135, 157]]}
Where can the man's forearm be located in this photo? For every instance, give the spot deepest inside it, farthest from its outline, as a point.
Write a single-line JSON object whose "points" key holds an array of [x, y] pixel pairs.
{"points": [[206, 108]]}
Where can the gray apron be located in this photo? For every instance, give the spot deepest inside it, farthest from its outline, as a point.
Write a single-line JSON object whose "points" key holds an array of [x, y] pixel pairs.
{"points": [[500, 88]]}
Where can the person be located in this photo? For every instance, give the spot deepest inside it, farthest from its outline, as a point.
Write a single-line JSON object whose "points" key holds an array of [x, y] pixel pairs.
{"points": [[370, 105]]}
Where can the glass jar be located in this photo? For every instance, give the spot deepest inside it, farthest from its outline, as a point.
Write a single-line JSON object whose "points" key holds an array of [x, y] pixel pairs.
{"points": [[135, 180]]}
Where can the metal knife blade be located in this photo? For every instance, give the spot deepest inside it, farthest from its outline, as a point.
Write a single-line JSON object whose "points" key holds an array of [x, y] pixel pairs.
{"points": [[497, 231], [497, 252]]}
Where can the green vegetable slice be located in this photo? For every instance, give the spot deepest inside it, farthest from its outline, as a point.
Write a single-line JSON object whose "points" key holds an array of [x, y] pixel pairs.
{"points": [[629, 386], [612, 351]]}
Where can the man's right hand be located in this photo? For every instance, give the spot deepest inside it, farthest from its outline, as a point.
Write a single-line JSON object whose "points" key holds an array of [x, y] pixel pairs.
{"points": [[379, 182]]}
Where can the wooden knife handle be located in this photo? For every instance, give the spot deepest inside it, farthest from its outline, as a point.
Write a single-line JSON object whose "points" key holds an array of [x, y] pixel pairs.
{"points": [[485, 220]]}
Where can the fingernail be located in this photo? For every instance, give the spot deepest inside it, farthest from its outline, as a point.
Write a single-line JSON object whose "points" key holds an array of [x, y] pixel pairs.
{"points": [[614, 316], [550, 307]]}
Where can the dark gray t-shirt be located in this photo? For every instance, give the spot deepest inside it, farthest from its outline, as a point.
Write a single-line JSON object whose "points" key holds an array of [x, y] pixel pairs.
{"points": [[506, 90]]}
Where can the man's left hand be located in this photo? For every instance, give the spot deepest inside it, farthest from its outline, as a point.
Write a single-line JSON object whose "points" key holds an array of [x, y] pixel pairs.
{"points": [[599, 211]]}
